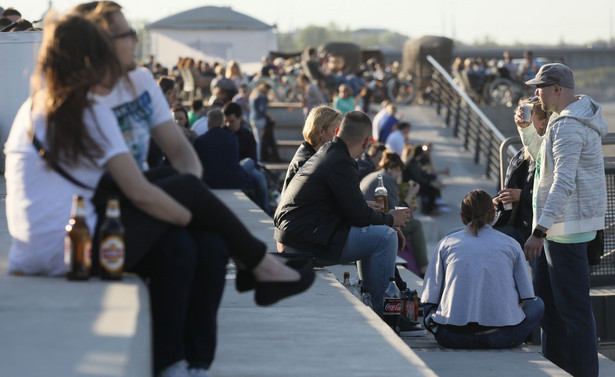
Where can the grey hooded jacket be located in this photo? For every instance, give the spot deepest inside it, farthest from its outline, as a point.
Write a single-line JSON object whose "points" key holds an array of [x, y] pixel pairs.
{"points": [[571, 194]]}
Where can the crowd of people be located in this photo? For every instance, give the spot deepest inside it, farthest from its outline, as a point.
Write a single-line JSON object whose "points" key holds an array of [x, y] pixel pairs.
{"points": [[119, 131], [476, 75], [11, 21]]}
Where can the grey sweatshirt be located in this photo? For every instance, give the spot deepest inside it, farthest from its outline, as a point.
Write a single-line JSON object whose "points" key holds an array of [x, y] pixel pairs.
{"points": [[571, 193]]}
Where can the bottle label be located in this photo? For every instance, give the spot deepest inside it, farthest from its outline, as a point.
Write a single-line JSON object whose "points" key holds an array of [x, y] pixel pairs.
{"points": [[382, 200], [392, 306], [112, 253], [87, 253], [68, 247]]}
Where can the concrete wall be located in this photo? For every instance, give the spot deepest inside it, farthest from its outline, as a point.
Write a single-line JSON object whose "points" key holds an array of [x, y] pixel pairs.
{"points": [[18, 52]]}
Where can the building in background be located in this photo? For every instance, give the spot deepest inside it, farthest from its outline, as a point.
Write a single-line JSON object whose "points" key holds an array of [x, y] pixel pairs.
{"points": [[212, 34]]}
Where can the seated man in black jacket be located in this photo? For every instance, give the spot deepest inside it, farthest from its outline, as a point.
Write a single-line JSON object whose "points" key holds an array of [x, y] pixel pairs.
{"points": [[322, 211]]}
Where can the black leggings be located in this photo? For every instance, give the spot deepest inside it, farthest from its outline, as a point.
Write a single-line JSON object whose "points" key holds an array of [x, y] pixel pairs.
{"points": [[143, 232], [185, 275]]}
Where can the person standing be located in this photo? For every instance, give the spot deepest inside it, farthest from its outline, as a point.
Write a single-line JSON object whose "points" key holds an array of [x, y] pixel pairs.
{"points": [[569, 202]]}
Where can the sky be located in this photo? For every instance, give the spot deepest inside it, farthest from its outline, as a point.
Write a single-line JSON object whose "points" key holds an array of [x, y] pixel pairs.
{"points": [[537, 22]]}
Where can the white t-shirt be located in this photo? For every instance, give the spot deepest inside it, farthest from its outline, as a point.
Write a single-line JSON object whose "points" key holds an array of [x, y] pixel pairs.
{"points": [[139, 105], [375, 122], [396, 142], [39, 199]]}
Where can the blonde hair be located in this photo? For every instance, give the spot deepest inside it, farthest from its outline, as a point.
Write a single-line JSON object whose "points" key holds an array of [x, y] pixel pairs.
{"points": [[229, 71], [319, 118]]}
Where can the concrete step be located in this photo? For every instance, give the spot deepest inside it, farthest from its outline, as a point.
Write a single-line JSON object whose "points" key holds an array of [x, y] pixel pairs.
{"points": [[287, 148]]}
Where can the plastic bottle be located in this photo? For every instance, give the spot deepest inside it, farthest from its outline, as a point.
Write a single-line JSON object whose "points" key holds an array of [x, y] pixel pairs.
{"points": [[392, 306]]}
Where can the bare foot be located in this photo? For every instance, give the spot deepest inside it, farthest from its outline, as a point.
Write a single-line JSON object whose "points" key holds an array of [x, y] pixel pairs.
{"points": [[273, 268]]}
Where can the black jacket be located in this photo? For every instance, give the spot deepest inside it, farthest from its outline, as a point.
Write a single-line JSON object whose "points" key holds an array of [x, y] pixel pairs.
{"points": [[303, 153], [322, 202]]}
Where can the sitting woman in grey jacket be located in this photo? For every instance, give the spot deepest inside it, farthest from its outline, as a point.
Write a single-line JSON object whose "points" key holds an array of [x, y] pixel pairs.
{"points": [[477, 289]]}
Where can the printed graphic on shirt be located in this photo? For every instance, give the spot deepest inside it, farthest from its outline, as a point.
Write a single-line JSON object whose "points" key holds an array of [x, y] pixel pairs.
{"points": [[134, 119]]}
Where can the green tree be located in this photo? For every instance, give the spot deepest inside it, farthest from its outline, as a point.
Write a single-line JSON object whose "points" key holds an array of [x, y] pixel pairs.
{"points": [[312, 35]]}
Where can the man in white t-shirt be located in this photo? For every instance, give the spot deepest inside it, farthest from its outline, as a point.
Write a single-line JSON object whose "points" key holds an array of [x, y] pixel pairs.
{"points": [[397, 139]]}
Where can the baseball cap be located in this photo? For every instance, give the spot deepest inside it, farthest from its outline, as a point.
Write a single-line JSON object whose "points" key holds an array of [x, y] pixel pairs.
{"points": [[552, 74]]}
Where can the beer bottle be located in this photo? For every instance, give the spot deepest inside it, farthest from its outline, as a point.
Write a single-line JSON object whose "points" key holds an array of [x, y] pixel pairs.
{"points": [[111, 251], [381, 195], [77, 243]]}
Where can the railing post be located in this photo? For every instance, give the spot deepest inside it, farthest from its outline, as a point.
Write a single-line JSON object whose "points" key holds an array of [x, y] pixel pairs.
{"points": [[458, 112]]}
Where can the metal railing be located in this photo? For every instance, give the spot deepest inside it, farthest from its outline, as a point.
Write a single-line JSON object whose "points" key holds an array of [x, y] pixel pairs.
{"points": [[468, 121]]}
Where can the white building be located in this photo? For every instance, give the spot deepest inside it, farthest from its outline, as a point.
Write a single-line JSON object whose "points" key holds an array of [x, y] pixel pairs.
{"points": [[212, 34]]}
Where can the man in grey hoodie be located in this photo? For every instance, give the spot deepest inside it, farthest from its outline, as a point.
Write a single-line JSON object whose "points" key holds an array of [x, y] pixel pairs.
{"points": [[569, 202]]}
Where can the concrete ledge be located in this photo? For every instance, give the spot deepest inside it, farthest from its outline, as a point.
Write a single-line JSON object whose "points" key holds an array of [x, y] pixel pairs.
{"points": [[53, 327]]}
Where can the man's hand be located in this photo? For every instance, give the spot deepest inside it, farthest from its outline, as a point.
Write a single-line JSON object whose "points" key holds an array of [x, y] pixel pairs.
{"points": [[533, 247], [401, 239], [401, 216]]}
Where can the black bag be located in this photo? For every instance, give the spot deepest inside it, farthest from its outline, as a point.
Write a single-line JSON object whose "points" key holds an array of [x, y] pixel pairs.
{"points": [[595, 248]]}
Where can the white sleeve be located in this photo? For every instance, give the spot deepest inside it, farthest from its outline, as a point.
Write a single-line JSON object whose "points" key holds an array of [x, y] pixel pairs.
{"points": [[160, 106], [104, 129]]}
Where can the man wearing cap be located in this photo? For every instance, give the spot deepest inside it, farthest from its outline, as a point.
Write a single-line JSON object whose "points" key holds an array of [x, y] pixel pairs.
{"points": [[569, 202]]}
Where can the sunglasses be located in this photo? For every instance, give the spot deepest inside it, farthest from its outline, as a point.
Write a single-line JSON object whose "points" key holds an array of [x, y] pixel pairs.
{"points": [[132, 33]]}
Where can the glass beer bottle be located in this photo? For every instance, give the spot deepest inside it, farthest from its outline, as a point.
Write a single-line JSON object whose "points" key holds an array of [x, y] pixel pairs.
{"points": [[111, 251], [381, 195], [77, 243]]}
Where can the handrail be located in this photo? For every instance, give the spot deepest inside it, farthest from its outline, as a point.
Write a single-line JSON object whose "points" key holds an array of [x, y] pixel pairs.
{"points": [[474, 125], [465, 97]]}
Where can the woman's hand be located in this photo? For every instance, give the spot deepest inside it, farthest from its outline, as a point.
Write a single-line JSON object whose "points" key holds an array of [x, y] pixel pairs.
{"points": [[414, 189], [373, 204], [509, 195], [519, 118]]}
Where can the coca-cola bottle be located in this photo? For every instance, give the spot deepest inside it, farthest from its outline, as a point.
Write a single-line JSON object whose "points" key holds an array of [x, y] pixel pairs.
{"points": [[381, 195], [392, 306]]}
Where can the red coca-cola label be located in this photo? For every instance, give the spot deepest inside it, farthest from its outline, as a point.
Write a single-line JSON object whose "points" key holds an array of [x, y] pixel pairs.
{"points": [[392, 307]]}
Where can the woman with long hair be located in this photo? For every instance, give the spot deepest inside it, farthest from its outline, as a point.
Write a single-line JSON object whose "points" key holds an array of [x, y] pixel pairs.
{"points": [[477, 290], [391, 167], [83, 139], [516, 220]]}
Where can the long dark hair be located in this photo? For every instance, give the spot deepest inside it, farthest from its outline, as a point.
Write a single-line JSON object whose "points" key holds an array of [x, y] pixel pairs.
{"points": [[75, 56], [477, 210]]}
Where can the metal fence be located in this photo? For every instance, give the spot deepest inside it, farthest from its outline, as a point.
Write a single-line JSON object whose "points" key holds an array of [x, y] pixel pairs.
{"points": [[468, 121]]}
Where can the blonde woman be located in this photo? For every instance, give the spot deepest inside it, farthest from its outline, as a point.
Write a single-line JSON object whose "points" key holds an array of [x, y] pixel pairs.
{"points": [[320, 127], [233, 72]]}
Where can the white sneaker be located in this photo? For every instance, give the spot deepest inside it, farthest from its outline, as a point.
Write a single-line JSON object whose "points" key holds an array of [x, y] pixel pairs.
{"points": [[199, 372], [178, 369]]}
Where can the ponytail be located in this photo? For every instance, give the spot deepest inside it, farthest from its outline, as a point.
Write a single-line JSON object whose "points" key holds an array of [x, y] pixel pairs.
{"points": [[477, 210]]}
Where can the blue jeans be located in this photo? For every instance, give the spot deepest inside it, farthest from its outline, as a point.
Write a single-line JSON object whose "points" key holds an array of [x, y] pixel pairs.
{"points": [[258, 182], [375, 249], [561, 279], [503, 337]]}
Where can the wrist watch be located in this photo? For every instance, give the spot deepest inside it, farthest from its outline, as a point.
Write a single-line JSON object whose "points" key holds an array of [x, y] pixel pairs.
{"points": [[539, 233]]}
